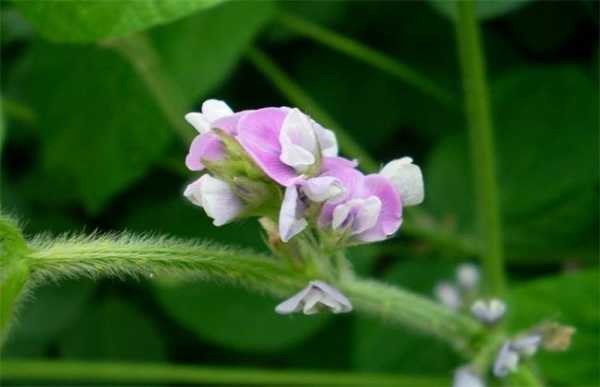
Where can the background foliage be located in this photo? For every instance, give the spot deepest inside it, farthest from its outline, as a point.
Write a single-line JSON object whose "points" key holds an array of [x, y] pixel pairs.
{"points": [[93, 141]]}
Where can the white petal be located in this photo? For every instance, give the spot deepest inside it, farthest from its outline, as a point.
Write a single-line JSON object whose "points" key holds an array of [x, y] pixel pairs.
{"points": [[298, 141], [464, 377], [192, 193], [312, 300], [327, 140], [218, 200], [294, 303], [213, 109], [488, 311], [506, 361], [340, 214], [367, 215], [527, 345], [291, 220], [407, 179], [334, 295], [198, 121], [320, 189]]}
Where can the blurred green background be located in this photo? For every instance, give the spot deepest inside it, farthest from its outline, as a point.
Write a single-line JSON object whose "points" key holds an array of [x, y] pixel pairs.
{"points": [[91, 143]]}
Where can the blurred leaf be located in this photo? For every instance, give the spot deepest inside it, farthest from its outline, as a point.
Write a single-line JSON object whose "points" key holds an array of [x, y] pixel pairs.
{"points": [[485, 9], [74, 21], [101, 130], [235, 318], [391, 348], [201, 50], [324, 12], [570, 299], [113, 330], [57, 306], [546, 131]]}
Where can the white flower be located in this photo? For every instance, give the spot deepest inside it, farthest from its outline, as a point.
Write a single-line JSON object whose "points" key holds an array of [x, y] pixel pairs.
{"points": [[303, 141], [407, 179], [506, 361], [212, 110], [489, 311], [464, 377], [316, 296], [448, 295], [216, 197], [468, 276]]}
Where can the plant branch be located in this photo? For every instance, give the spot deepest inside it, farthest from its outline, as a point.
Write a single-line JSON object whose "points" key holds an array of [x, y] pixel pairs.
{"points": [[149, 373], [482, 144], [366, 54], [298, 97]]}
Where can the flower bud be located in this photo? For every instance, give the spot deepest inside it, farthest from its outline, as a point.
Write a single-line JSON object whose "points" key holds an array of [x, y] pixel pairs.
{"points": [[490, 312], [448, 295], [506, 361], [467, 276], [407, 179], [527, 345], [465, 377]]}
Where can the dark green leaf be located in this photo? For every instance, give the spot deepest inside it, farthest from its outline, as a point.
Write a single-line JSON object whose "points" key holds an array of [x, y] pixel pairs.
{"points": [[87, 21], [546, 130], [57, 306], [570, 299], [113, 330]]}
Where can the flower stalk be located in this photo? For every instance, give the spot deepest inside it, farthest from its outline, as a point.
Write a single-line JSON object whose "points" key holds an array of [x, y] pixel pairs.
{"points": [[482, 145]]}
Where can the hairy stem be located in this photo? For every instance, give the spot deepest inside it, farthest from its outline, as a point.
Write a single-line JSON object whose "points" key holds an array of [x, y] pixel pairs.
{"points": [[298, 97], [125, 256], [148, 373], [482, 144], [366, 54]]}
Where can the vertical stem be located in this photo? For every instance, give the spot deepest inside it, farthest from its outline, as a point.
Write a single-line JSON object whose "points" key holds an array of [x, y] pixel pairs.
{"points": [[482, 144]]}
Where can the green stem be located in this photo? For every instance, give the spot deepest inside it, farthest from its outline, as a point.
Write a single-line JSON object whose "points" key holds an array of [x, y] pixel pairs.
{"points": [[141, 373], [411, 310], [366, 54], [524, 376], [138, 50], [298, 97], [482, 144]]}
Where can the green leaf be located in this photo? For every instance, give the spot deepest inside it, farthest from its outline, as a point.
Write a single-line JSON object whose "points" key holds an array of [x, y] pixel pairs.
{"points": [[546, 128], [100, 128], [199, 51], [396, 349], [80, 22], [570, 299], [58, 306], [234, 318], [486, 9], [113, 330]]}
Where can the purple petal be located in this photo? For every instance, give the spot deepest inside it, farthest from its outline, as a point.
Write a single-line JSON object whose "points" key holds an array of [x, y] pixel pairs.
{"points": [[205, 146], [258, 133]]}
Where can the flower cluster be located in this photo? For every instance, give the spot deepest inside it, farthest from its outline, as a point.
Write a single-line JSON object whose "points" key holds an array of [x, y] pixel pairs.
{"points": [[258, 158]]}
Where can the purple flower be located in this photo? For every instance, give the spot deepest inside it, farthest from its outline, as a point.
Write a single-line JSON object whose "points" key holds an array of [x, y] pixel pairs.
{"points": [[207, 145], [369, 210], [285, 143]]}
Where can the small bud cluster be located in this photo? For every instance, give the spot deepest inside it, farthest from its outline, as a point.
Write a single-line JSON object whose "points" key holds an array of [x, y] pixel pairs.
{"points": [[279, 164], [457, 294], [513, 351]]}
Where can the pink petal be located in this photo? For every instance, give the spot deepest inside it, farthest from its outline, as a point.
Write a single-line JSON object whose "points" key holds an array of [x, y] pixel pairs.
{"points": [[205, 146]]}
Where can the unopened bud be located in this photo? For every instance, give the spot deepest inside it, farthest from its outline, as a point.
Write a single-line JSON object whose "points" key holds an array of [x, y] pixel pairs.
{"points": [[448, 295], [490, 312]]}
